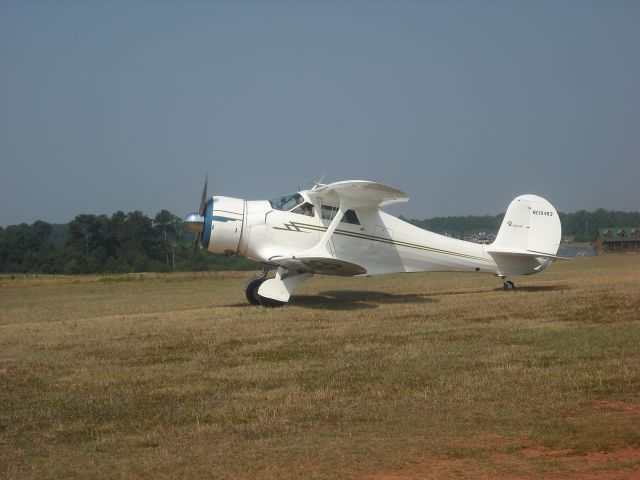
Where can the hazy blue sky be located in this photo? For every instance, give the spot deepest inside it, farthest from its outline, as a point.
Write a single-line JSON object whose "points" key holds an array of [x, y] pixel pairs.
{"points": [[126, 105]]}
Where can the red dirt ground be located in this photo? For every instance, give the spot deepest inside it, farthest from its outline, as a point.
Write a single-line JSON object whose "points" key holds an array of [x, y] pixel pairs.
{"points": [[507, 462], [559, 465]]}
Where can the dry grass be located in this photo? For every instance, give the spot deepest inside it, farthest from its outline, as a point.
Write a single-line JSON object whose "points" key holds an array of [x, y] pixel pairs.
{"points": [[408, 376]]}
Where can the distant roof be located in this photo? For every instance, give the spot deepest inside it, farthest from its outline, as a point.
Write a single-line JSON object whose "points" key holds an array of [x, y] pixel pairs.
{"points": [[616, 231]]}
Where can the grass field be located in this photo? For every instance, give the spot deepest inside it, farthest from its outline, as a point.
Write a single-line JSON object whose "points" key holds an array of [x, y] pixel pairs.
{"points": [[397, 377]]}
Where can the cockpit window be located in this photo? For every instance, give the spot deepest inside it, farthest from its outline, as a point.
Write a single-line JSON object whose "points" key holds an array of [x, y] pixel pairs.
{"points": [[286, 202], [350, 217], [328, 212], [304, 209]]}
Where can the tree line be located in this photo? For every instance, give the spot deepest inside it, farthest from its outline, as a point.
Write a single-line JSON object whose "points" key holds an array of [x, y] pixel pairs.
{"points": [[133, 242], [120, 243], [581, 225]]}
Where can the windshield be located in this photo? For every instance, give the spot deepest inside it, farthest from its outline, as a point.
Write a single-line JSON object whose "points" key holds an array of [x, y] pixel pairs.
{"points": [[286, 202]]}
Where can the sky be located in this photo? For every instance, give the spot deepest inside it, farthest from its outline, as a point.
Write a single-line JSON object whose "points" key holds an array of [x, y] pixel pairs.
{"points": [[463, 105]]}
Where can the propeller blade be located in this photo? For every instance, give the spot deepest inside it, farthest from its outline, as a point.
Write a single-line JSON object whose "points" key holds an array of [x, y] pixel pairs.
{"points": [[203, 200], [195, 250], [195, 244]]}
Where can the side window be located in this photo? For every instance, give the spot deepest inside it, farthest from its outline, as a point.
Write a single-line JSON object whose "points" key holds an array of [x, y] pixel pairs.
{"points": [[304, 209], [328, 212], [351, 217]]}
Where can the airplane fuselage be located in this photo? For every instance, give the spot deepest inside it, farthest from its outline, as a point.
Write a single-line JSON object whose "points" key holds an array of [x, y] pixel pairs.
{"points": [[380, 242]]}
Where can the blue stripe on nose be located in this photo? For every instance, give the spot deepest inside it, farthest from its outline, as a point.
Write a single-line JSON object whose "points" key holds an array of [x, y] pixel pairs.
{"points": [[205, 238]]}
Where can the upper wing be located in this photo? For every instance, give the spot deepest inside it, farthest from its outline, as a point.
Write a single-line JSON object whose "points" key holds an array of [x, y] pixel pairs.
{"points": [[361, 193]]}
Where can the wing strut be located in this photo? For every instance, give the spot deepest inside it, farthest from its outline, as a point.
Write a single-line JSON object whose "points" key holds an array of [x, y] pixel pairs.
{"points": [[320, 249]]}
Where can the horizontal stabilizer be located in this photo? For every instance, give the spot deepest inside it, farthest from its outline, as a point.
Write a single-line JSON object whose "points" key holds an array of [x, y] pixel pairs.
{"points": [[524, 253]]}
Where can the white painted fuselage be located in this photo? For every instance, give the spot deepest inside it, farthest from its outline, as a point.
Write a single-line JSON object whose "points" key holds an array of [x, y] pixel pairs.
{"points": [[381, 243]]}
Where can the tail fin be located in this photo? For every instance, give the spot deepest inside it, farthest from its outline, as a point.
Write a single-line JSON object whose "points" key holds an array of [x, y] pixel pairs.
{"points": [[530, 231]]}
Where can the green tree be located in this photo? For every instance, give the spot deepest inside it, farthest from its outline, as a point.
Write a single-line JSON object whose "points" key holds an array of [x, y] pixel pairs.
{"points": [[172, 228], [27, 248], [86, 242], [139, 238]]}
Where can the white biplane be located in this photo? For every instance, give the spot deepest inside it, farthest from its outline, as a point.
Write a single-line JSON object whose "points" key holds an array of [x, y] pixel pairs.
{"points": [[340, 229]]}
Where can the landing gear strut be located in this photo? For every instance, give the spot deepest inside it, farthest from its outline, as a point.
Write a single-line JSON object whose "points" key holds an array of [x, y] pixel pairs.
{"points": [[508, 285]]}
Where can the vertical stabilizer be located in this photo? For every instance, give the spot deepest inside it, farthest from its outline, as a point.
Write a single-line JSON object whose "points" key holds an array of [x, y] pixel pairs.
{"points": [[531, 224], [528, 238]]}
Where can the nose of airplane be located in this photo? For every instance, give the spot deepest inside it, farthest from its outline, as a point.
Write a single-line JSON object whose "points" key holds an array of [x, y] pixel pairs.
{"points": [[218, 223]]}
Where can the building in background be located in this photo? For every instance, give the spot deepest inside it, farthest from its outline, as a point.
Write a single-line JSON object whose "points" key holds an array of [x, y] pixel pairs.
{"points": [[480, 237], [618, 239]]}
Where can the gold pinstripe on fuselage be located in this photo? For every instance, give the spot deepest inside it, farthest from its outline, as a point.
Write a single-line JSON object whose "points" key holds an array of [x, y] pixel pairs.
{"points": [[301, 227]]}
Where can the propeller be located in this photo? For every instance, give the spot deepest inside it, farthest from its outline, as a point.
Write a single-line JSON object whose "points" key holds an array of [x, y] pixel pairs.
{"points": [[203, 199], [203, 202], [195, 220]]}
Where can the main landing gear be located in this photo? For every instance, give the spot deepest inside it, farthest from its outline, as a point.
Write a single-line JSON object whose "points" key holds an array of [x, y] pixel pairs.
{"points": [[507, 284], [251, 291]]}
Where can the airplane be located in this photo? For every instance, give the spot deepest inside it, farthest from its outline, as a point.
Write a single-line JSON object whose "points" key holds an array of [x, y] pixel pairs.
{"points": [[341, 229]]}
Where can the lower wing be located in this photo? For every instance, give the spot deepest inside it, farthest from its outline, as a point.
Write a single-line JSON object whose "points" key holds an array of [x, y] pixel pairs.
{"points": [[320, 265]]}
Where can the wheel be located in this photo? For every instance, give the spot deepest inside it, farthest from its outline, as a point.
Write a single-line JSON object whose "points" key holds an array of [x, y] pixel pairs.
{"points": [[268, 302], [251, 290], [508, 285]]}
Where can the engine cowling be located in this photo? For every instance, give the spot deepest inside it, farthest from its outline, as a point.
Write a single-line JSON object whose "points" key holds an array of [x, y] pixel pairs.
{"points": [[223, 225]]}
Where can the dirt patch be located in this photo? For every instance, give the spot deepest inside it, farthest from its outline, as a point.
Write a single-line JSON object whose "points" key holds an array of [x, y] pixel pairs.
{"points": [[531, 463], [617, 406], [543, 452], [486, 441], [623, 463], [441, 469]]}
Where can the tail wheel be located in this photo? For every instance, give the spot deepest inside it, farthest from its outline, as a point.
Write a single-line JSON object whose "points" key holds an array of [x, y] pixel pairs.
{"points": [[251, 290]]}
